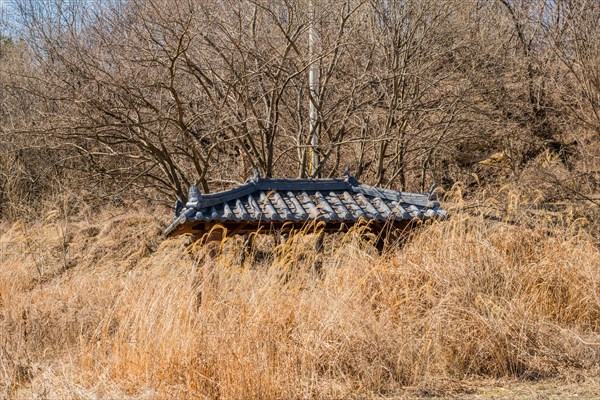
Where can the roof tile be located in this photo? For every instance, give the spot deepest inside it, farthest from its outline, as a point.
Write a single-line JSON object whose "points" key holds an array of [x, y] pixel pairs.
{"points": [[301, 200]]}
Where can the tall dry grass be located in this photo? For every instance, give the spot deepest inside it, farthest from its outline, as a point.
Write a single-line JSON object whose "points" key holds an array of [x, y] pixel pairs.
{"points": [[105, 308]]}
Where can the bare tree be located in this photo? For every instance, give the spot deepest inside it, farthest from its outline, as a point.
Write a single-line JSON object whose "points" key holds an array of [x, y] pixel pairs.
{"points": [[150, 96]]}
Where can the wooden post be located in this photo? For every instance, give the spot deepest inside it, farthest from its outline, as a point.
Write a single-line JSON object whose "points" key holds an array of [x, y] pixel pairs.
{"points": [[247, 247], [380, 242], [385, 236], [195, 281], [389, 234], [212, 244], [318, 266]]}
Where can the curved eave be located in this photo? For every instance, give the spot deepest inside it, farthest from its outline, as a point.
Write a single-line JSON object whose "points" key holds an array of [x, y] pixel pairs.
{"points": [[188, 223], [276, 202]]}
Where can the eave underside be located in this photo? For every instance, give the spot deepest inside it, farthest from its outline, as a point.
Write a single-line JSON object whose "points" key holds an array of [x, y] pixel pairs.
{"points": [[233, 228]]}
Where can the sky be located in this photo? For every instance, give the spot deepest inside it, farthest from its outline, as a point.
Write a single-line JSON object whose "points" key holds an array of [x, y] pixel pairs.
{"points": [[9, 14], [6, 11]]}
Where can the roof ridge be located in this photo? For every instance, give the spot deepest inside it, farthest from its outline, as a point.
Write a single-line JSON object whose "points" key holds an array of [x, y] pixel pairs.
{"points": [[200, 200]]}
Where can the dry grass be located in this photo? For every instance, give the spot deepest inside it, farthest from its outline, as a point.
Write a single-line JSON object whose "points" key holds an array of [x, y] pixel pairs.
{"points": [[108, 309]]}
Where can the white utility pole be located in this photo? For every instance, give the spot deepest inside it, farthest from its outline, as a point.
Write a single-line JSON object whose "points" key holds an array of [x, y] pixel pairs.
{"points": [[313, 85]]}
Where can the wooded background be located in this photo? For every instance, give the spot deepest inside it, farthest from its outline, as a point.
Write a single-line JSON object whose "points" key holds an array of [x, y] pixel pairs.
{"points": [[119, 99]]}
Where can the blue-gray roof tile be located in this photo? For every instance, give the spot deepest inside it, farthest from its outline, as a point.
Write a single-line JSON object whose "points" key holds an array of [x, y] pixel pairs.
{"points": [[303, 200]]}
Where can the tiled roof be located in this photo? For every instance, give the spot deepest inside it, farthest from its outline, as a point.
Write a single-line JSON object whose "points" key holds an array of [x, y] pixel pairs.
{"points": [[276, 201]]}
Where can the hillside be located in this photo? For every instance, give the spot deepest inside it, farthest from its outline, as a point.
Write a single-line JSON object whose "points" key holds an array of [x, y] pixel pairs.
{"points": [[102, 307]]}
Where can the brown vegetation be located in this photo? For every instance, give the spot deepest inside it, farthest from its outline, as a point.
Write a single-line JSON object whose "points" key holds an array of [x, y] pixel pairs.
{"points": [[104, 307], [117, 99]]}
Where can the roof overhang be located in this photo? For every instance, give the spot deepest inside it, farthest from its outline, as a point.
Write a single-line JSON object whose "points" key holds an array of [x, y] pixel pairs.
{"points": [[279, 204]]}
